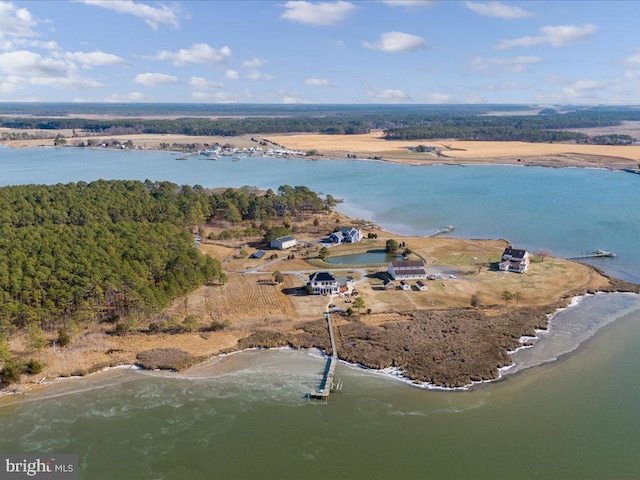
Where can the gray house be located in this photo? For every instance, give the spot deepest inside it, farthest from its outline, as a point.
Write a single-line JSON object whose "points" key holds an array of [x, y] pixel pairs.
{"points": [[346, 234]]}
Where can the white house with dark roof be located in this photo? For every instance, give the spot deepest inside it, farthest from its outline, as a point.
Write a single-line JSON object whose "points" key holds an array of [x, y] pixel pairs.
{"points": [[283, 243], [514, 260], [347, 235], [407, 270], [323, 283]]}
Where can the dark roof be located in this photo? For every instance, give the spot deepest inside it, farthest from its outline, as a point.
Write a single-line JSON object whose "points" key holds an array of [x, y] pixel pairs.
{"points": [[514, 252], [287, 238], [322, 277], [408, 264]]}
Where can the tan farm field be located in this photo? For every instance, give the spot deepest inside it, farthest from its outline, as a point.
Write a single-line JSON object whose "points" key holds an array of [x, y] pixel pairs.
{"points": [[523, 153]]}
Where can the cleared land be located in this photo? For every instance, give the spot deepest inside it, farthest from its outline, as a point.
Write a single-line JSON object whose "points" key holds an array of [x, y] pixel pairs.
{"points": [[454, 151]]}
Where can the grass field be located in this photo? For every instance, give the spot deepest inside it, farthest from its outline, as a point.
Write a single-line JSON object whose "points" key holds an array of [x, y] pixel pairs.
{"points": [[372, 144]]}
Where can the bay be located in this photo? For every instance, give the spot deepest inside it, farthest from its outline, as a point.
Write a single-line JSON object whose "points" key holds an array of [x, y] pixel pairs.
{"points": [[245, 416]]}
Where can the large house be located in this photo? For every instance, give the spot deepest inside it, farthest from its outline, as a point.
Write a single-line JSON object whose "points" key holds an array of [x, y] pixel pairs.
{"points": [[323, 283], [346, 234], [514, 260], [283, 243], [407, 270]]}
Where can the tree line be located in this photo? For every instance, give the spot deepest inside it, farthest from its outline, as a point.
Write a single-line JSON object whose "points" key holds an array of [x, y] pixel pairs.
{"points": [[527, 128], [89, 252]]}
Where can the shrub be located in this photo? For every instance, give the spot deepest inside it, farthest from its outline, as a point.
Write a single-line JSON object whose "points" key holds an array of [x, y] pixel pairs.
{"points": [[33, 367], [217, 325], [63, 339], [190, 323], [11, 372], [475, 300]]}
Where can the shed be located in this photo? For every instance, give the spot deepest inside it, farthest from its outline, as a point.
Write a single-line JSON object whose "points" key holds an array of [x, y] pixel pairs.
{"points": [[283, 243]]}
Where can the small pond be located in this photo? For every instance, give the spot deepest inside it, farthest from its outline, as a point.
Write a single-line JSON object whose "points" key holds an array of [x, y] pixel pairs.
{"points": [[365, 258]]}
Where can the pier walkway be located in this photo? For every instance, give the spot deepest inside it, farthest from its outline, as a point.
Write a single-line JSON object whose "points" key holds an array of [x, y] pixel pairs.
{"points": [[594, 254], [326, 384], [442, 231]]}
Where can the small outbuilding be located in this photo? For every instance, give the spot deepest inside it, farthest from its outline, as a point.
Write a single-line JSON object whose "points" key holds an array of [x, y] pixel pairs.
{"points": [[283, 243], [421, 286], [405, 285], [407, 270]]}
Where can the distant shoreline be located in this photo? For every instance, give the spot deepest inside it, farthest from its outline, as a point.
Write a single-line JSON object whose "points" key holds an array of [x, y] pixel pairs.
{"points": [[372, 147]]}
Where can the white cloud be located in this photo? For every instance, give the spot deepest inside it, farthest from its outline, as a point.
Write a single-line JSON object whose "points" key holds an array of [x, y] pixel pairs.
{"points": [[322, 13], [203, 84], [23, 67], [96, 59], [11, 85], [218, 97], [155, 79], [232, 74], [292, 100], [24, 62], [253, 63], [152, 15], [17, 43], [384, 95], [128, 97], [439, 98], [518, 64], [498, 9], [633, 60], [320, 83], [198, 53], [66, 82], [581, 88], [408, 3], [15, 22], [554, 35], [255, 76], [393, 42]]}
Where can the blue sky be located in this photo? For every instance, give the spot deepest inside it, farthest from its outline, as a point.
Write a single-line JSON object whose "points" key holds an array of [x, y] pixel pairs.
{"points": [[551, 52]]}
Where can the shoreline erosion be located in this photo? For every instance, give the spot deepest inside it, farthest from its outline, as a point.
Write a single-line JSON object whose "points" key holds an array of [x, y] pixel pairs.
{"points": [[390, 373], [398, 373]]}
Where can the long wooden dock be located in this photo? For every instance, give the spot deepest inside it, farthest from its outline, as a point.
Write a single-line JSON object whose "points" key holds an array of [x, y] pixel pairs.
{"points": [[594, 254], [326, 384], [443, 230]]}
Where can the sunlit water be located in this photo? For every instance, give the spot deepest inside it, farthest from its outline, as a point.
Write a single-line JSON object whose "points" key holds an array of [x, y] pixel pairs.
{"points": [[245, 416]]}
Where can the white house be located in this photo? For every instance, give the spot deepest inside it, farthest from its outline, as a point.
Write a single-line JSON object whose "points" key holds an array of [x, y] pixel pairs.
{"points": [[346, 234], [323, 283], [514, 260], [283, 243], [421, 286], [407, 270], [405, 285]]}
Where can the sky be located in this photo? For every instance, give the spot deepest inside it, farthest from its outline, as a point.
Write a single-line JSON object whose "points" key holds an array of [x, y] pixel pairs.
{"points": [[339, 52]]}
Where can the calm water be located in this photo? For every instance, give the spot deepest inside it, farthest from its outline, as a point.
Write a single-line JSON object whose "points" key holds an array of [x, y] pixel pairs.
{"points": [[245, 417]]}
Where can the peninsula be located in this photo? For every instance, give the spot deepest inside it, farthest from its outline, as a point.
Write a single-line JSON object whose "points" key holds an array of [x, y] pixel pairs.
{"points": [[145, 306]]}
